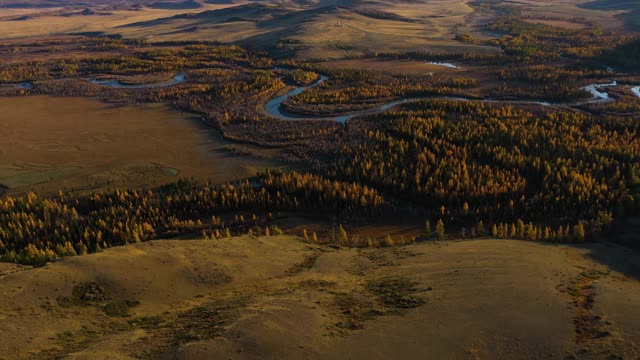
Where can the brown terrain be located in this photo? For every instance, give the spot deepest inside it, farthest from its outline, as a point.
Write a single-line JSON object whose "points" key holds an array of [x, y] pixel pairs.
{"points": [[279, 297], [83, 144], [310, 29]]}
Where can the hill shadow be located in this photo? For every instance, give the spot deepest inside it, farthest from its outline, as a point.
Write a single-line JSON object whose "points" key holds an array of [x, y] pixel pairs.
{"points": [[631, 18], [248, 11], [619, 249], [168, 5], [616, 257]]}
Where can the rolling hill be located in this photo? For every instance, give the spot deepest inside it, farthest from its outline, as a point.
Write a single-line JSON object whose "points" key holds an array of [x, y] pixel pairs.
{"points": [[275, 297]]}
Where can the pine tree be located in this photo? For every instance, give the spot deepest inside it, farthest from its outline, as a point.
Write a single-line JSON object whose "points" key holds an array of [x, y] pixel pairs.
{"points": [[388, 240], [560, 236], [440, 230], [481, 230], [521, 229], [276, 230], [530, 232], [342, 233], [578, 233], [427, 229]]}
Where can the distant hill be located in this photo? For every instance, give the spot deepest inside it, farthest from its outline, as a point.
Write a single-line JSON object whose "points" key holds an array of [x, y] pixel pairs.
{"points": [[171, 5], [631, 18], [318, 28], [15, 4]]}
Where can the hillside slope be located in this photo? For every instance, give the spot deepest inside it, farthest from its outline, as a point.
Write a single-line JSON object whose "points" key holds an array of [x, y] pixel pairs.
{"points": [[275, 297]]}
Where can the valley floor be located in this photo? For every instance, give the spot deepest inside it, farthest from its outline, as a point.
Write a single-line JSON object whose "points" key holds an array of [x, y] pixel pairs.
{"points": [[94, 146], [279, 297]]}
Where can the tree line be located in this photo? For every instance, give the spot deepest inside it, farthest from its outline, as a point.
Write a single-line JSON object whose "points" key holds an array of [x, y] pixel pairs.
{"points": [[35, 229]]}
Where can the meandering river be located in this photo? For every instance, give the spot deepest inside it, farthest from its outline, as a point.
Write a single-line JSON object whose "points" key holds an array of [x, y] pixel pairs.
{"points": [[177, 79], [597, 94], [274, 107], [445, 64]]}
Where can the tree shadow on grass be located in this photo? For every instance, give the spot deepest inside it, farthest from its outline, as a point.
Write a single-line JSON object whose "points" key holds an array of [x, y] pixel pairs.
{"points": [[616, 257], [619, 249]]}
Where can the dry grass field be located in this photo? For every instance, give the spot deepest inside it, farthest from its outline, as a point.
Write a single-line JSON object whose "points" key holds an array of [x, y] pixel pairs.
{"points": [[5, 12], [78, 143], [428, 27], [321, 29], [101, 21], [610, 14], [276, 297]]}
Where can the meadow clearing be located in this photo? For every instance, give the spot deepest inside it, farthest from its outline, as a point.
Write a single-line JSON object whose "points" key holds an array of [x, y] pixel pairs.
{"points": [[83, 144]]}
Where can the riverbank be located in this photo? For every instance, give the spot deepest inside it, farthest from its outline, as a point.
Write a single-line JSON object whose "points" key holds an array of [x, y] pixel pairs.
{"points": [[275, 108]]}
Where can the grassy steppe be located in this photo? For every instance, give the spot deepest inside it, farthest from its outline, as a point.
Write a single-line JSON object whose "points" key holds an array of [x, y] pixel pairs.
{"points": [[80, 143], [323, 29], [275, 297]]}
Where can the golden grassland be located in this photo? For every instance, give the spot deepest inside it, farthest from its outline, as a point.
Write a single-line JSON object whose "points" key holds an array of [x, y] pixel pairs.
{"points": [[278, 296], [25, 11], [320, 30], [345, 32], [55, 24], [562, 13], [79, 143]]}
